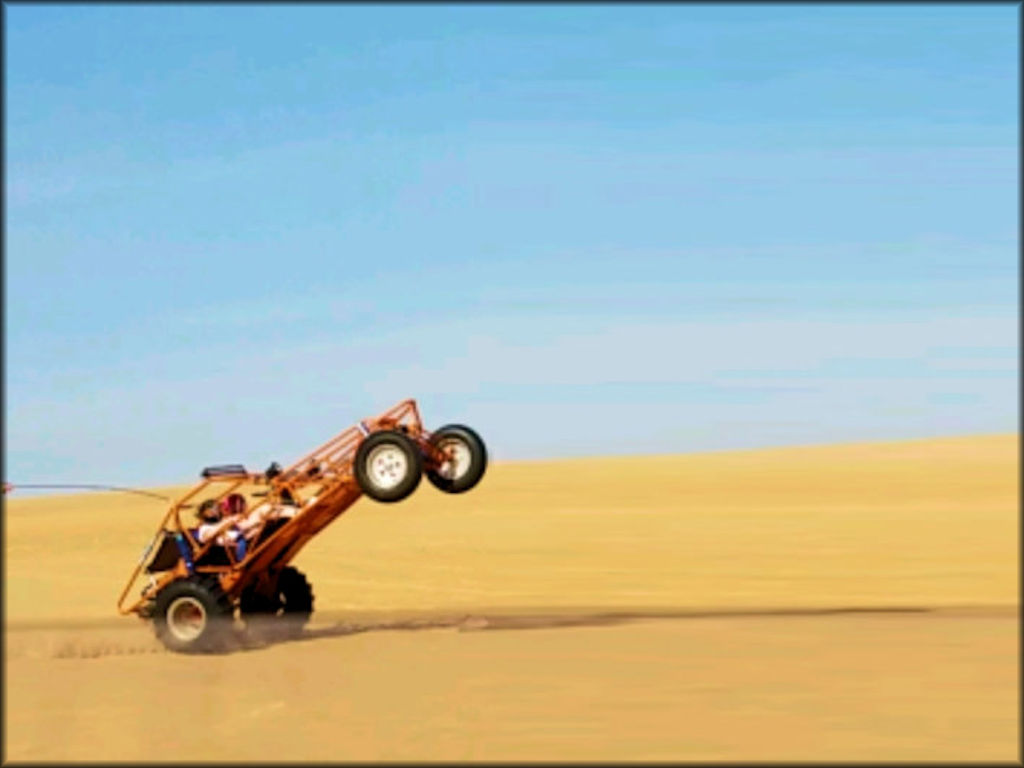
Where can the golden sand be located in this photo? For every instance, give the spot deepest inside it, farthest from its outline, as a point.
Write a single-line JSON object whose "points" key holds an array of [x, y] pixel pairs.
{"points": [[822, 603]]}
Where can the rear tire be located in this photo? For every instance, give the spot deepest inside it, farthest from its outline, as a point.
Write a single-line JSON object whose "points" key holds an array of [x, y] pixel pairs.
{"points": [[282, 615], [193, 615], [467, 459], [388, 466]]}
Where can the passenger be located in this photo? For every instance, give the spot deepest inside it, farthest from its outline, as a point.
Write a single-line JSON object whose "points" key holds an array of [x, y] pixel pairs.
{"points": [[209, 519], [213, 516], [233, 505], [267, 511]]}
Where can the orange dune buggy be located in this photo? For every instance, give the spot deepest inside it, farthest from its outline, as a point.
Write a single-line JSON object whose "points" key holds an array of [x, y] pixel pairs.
{"points": [[194, 588]]}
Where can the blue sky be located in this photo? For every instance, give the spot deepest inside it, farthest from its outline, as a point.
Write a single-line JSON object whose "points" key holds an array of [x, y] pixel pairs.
{"points": [[233, 230]]}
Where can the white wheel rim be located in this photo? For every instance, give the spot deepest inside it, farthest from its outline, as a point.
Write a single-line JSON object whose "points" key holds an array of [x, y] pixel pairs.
{"points": [[459, 458], [186, 618], [387, 466]]}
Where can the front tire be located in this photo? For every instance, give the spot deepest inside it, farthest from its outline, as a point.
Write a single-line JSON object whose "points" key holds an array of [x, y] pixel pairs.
{"points": [[388, 466], [193, 615], [465, 462]]}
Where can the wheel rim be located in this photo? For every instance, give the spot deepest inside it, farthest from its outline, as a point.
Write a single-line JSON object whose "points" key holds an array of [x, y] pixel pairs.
{"points": [[186, 618], [459, 458], [388, 466]]}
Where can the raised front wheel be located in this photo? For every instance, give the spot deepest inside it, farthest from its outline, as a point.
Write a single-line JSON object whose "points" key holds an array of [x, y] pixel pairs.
{"points": [[388, 466], [462, 458]]}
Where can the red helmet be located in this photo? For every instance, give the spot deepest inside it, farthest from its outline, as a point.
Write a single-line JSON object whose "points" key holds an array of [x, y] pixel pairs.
{"points": [[233, 504]]}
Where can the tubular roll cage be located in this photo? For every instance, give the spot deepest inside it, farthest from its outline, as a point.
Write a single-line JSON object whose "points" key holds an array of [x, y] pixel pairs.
{"points": [[323, 486]]}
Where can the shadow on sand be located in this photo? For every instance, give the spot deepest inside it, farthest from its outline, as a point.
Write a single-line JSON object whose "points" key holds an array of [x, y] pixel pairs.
{"points": [[524, 619]]}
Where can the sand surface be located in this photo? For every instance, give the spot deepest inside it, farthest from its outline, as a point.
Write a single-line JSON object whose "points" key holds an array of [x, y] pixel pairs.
{"points": [[850, 602]]}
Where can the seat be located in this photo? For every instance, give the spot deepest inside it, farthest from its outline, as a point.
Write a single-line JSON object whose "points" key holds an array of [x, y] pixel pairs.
{"points": [[269, 529], [215, 555], [167, 555]]}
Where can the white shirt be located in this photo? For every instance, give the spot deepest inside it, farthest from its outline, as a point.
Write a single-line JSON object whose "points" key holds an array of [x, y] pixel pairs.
{"points": [[206, 530]]}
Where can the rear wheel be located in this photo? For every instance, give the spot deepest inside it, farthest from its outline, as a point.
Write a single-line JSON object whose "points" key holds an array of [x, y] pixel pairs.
{"points": [[193, 615], [284, 612], [388, 466], [464, 462]]}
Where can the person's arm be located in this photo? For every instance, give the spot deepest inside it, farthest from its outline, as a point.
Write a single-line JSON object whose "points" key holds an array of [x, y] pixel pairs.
{"points": [[229, 531], [222, 531], [219, 530], [204, 532], [253, 520]]}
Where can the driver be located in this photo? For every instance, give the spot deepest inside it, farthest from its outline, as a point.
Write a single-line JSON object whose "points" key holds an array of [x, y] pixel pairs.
{"points": [[213, 514]]}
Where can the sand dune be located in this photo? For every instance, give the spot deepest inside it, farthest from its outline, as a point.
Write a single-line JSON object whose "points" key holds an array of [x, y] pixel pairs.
{"points": [[825, 603]]}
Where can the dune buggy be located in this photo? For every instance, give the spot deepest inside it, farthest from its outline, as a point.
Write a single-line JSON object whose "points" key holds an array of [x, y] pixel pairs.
{"points": [[194, 588]]}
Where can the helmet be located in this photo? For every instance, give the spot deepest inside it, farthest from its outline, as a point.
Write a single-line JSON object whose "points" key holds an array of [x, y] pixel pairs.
{"points": [[233, 504], [208, 511]]}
